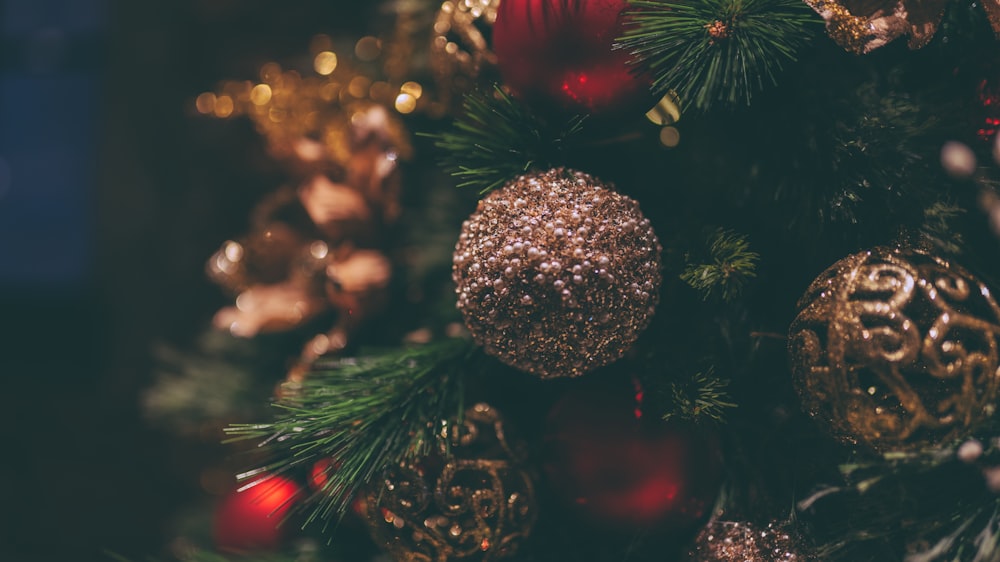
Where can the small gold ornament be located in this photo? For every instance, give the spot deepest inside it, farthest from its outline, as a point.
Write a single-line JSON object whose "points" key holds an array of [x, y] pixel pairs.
{"points": [[459, 49], [896, 349], [861, 26], [479, 505], [557, 273], [735, 541]]}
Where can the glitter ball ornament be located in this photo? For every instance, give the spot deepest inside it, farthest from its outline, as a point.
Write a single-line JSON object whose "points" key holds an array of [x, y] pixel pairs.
{"points": [[557, 273], [478, 505], [734, 541], [251, 519], [620, 469], [897, 349], [562, 54]]}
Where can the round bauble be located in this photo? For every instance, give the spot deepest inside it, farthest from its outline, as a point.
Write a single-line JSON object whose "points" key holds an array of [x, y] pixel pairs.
{"points": [[251, 519], [896, 349], [556, 273], [622, 470], [562, 54], [477, 504], [739, 541]]}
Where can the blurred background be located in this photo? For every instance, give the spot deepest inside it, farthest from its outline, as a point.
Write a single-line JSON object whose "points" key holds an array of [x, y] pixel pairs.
{"points": [[112, 196]]}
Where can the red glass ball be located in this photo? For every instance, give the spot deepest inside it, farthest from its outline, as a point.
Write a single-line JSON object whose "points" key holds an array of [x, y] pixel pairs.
{"points": [[560, 53], [622, 470], [250, 520]]}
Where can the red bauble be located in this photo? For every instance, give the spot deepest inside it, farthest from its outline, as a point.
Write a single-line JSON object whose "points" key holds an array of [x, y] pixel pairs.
{"points": [[251, 520], [620, 469], [560, 53]]}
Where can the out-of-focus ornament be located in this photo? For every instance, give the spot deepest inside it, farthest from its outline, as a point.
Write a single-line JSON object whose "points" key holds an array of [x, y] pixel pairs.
{"points": [[897, 349], [739, 541], [250, 520], [477, 504], [562, 54], [988, 92], [557, 273], [623, 470], [314, 246], [460, 47], [861, 26]]}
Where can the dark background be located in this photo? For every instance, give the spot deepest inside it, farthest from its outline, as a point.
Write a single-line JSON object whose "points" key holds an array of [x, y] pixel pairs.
{"points": [[112, 196]]}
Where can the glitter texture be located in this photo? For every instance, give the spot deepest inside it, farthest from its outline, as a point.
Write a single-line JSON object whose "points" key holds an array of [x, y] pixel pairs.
{"points": [[896, 349], [556, 273], [479, 506], [732, 541]]}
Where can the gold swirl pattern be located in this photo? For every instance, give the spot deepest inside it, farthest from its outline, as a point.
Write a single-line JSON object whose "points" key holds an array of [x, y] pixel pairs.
{"points": [[897, 349], [477, 505]]}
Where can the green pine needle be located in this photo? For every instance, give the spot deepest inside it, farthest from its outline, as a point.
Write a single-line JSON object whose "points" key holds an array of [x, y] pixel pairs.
{"points": [[365, 414], [949, 511], [702, 397], [711, 51], [496, 139], [730, 266], [938, 230]]}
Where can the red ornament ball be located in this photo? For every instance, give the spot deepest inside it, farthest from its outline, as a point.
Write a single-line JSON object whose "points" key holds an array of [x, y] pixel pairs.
{"points": [[250, 520], [622, 470], [561, 53]]}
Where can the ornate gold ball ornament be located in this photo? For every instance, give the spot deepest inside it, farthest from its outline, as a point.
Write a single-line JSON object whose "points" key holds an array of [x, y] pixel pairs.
{"points": [[557, 273], [896, 349], [459, 49], [738, 541], [478, 505]]}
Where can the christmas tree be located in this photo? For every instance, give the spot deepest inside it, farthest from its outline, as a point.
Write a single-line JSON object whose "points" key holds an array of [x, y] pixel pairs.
{"points": [[594, 280]]}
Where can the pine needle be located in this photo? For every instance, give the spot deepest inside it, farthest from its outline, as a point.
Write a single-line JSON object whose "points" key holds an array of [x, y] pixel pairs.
{"points": [[496, 139], [702, 397], [730, 266], [364, 415], [715, 51]]}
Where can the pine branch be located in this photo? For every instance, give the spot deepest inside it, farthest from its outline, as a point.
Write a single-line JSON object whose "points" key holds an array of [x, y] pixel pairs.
{"points": [[702, 397], [730, 266], [496, 139], [716, 51], [948, 509], [938, 229], [366, 414]]}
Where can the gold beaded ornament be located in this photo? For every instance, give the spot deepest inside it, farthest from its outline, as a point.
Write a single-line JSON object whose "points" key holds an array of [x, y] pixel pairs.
{"points": [[861, 26], [478, 505], [557, 273], [897, 349]]}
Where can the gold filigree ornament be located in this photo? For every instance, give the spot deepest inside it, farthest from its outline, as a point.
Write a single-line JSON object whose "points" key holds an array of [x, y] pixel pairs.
{"points": [[460, 49], [477, 504], [897, 349], [861, 26]]}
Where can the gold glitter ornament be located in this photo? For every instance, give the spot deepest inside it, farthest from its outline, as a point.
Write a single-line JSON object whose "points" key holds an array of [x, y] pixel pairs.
{"points": [[557, 273], [478, 505], [737, 541], [861, 26], [896, 349]]}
